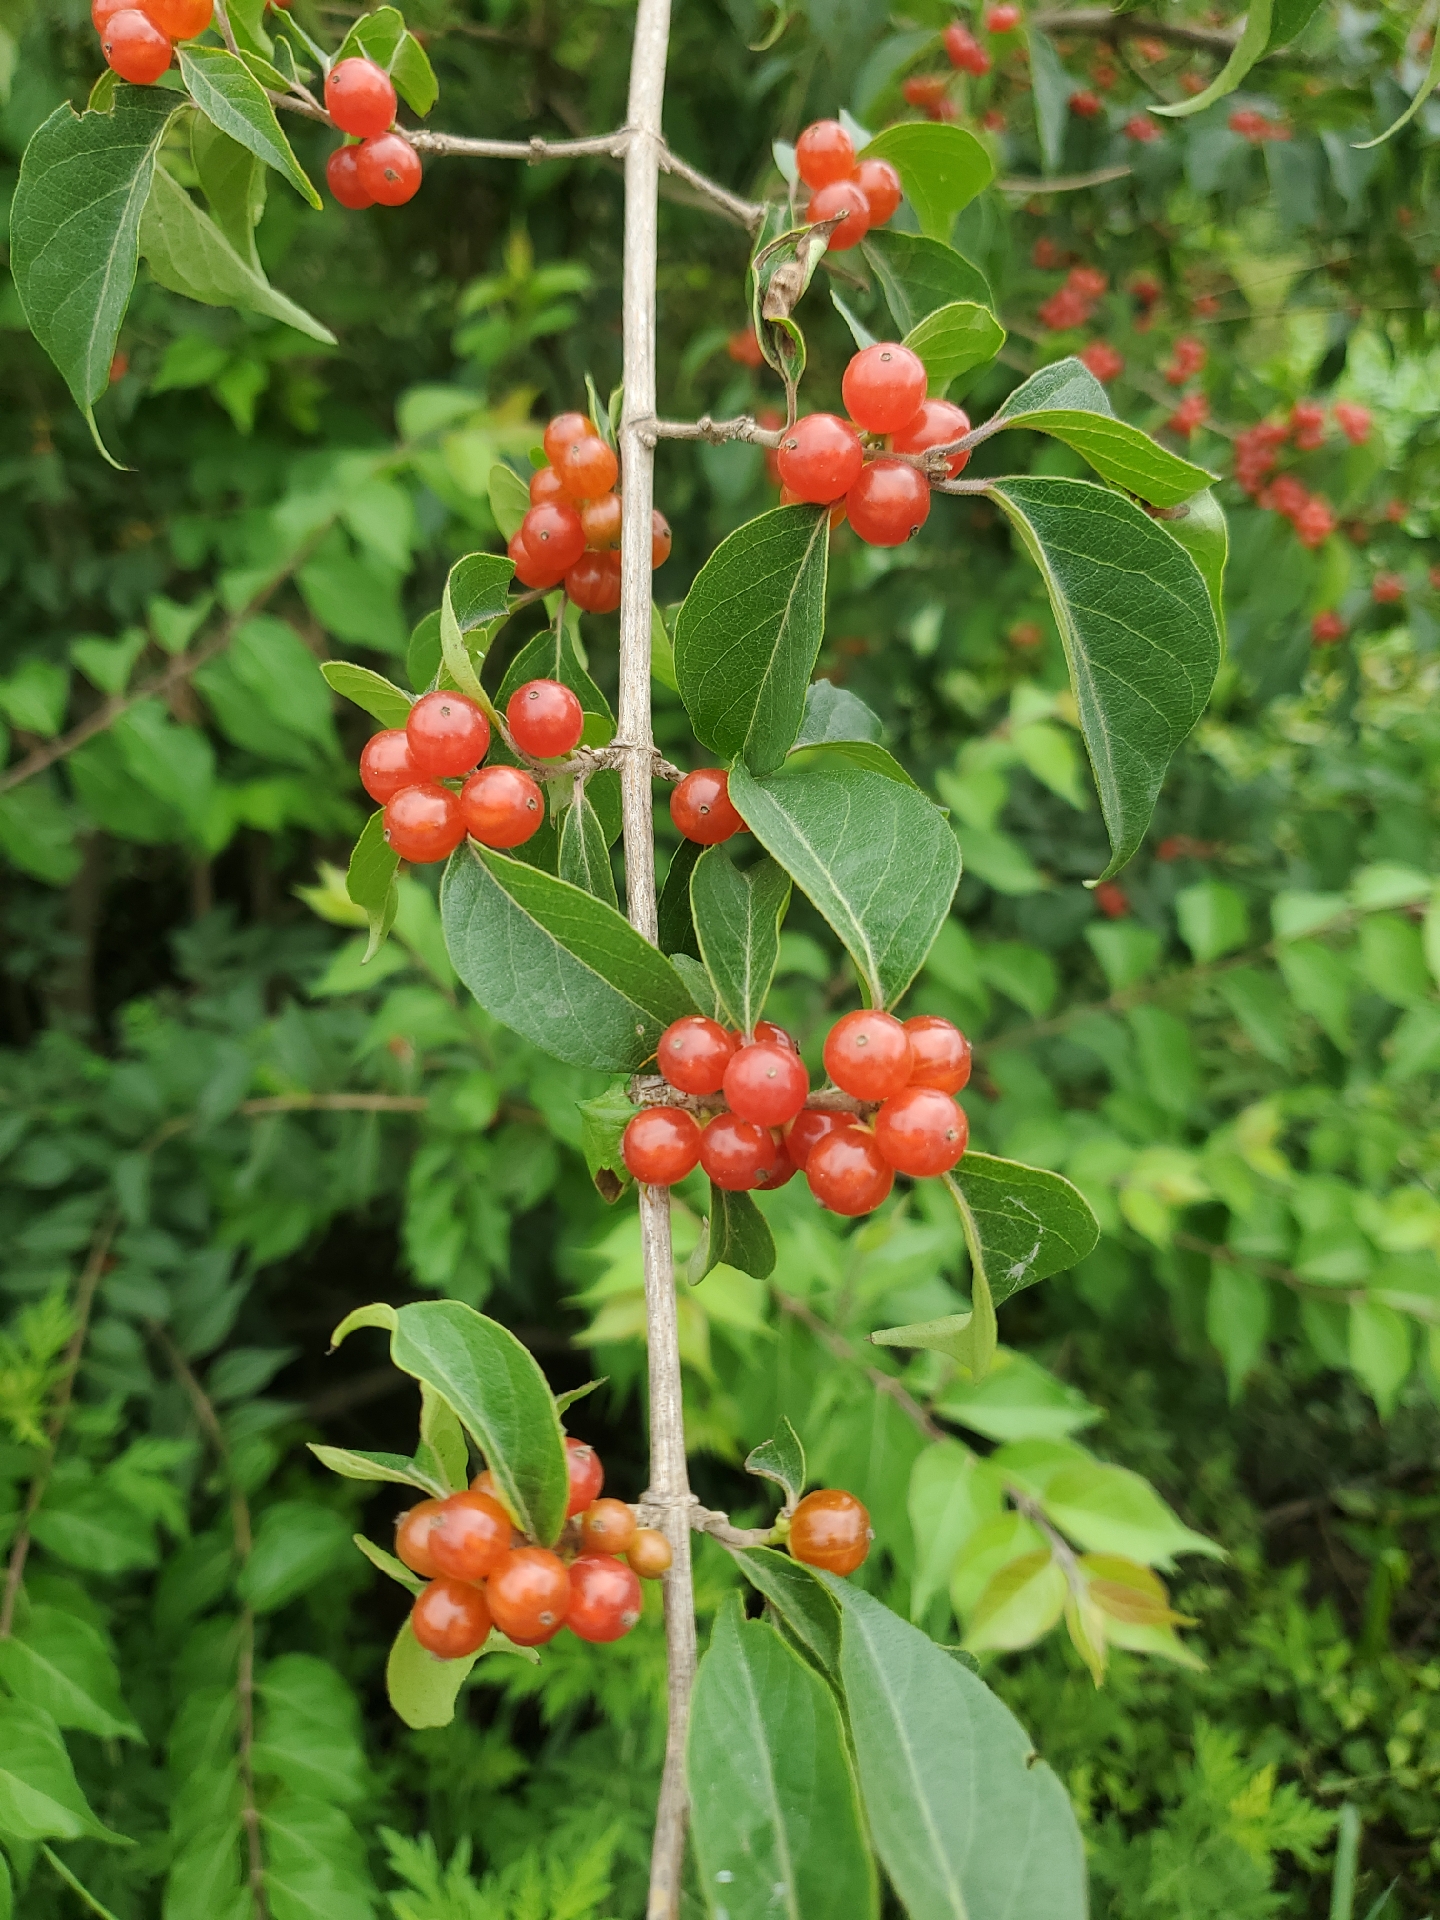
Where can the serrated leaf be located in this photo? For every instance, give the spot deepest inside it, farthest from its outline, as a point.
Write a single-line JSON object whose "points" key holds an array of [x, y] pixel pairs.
{"points": [[781, 1459], [738, 915], [1254, 39], [228, 94], [353, 1464], [371, 692], [954, 339], [387, 1564], [917, 275], [370, 880], [585, 851], [736, 1234], [941, 168]]}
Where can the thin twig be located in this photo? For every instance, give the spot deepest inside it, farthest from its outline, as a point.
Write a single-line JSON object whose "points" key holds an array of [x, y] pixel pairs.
{"points": [[749, 214], [1272, 1270], [743, 427], [1062, 182], [842, 1349], [535, 152], [1111, 26]]}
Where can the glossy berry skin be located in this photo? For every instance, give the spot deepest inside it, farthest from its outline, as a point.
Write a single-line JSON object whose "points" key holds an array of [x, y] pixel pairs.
{"points": [[424, 824], [469, 1536], [412, 1538], [1003, 19], [548, 489], [809, 1127], [448, 735], [939, 1053], [588, 467], [844, 197], [604, 1598], [530, 571], [830, 1529], [661, 539], [564, 429], [889, 503], [342, 176], [820, 458], [359, 96], [607, 1527], [693, 1054], [179, 19], [529, 1593], [484, 1482], [784, 1172], [587, 1475], [593, 583], [649, 1553], [554, 535], [701, 807], [777, 1036], [502, 806], [134, 48], [925, 89], [450, 1619], [389, 169], [935, 423], [880, 184], [101, 11], [601, 520], [921, 1132], [386, 766], [883, 386], [661, 1145], [766, 1084], [824, 153], [867, 1054], [545, 719], [847, 1172], [737, 1155]]}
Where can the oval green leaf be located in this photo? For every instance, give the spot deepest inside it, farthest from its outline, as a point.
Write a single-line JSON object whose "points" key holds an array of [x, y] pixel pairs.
{"points": [[371, 692], [953, 339], [917, 275], [942, 168], [737, 922], [230, 96]]}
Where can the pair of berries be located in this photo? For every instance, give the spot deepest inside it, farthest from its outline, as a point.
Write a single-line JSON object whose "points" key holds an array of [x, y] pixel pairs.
{"points": [[909, 1070], [1255, 128], [865, 192], [965, 52], [444, 738], [384, 169], [822, 459], [136, 35], [572, 531]]}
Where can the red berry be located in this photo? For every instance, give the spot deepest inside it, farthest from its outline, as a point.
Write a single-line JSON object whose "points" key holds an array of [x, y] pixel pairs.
{"points": [[1085, 104], [921, 1132], [469, 1536], [737, 1154], [1103, 361], [531, 572], [784, 1172], [587, 1475], [847, 1172], [604, 1597], [1307, 425], [588, 467], [889, 503], [883, 386], [649, 1553], [1112, 900], [661, 1145], [1354, 422], [1387, 588], [1326, 629], [810, 1125], [607, 1527], [563, 431], [766, 1084], [824, 153], [102, 10], [880, 184], [925, 89], [389, 169], [1003, 19], [424, 824], [554, 535], [386, 765], [777, 1036], [693, 1054], [412, 1538], [179, 19], [342, 175], [961, 46], [529, 1593], [601, 520], [548, 489], [448, 735], [935, 424], [820, 458], [661, 539], [450, 1619], [831, 1529], [702, 809], [843, 197], [1142, 128], [359, 96], [134, 48], [593, 583], [546, 720], [939, 1053], [502, 806], [867, 1054], [744, 347]]}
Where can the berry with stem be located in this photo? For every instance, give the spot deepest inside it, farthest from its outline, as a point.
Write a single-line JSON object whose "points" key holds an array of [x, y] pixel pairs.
{"points": [[451, 1619], [359, 96], [661, 1145], [939, 1053], [134, 47], [847, 1172], [831, 1529], [824, 153], [588, 467], [847, 198], [424, 824], [737, 1154], [389, 169], [883, 386], [693, 1054], [820, 458], [412, 1538], [342, 176], [587, 1475], [545, 719], [784, 1170], [607, 1527], [701, 807], [502, 806], [604, 1598], [921, 1132], [867, 1054], [766, 1084], [529, 1593], [386, 764], [447, 735], [650, 1553], [935, 423], [889, 503], [469, 1536]]}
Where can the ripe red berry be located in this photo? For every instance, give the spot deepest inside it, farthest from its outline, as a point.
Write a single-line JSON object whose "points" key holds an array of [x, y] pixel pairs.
{"points": [[810, 1125], [1387, 588], [386, 765], [447, 734], [134, 48], [530, 572], [604, 1597], [359, 96], [484, 1482], [450, 1619], [921, 1132], [925, 89], [845, 197], [502, 806], [777, 1036], [587, 1475], [548, 489], [1354, 422], [563, 431], [784, 1170], [342, 176], [823, 153], [545, 719], [702, 809], [424, 824], [529, 1593], [737, 1154], [1086, 105], [847, 1172], [831, 1529], [179, 19], [649, 1553], [469, 1536], [588, 467], [964, 50], [1142, 128], [744, 348], [1103, 361], [102, 10], [935, 424], [554, 535], [1002, 19], [883, 386], [939, 1053], [820, 458], [661, 539], [608, 1527], [889, 503], [412, 1538], [693, 1054], [867, 1054], [766, 1084], [389, 169], [661, 1145], [593, 583], [1112, 900], [1326, 628], [601, 520]]}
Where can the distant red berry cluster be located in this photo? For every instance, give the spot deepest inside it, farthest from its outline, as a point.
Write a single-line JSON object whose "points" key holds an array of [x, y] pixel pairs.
{"points": [[384, 170], [1103, 361], [1142, 128], [1255, 128], [136, 36], [1257, 451], [865, 192], [1074, 303], [572, 531], [1187, 358]]}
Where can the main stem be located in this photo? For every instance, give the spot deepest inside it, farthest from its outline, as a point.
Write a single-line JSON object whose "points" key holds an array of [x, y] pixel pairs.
{"points": [[669, 1481]]}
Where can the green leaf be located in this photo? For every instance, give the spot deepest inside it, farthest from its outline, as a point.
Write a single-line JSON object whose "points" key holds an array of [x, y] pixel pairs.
{"points": [[799, 1597], [1111, 1510], [1052, 90], [352, 1464], [952, 1493], [551, 655], [234, 182], [1139, 634], [388, 1564], [780, 274], [917, 275], [75, 231], [1422, 93], [423, 1689], [371, 692], [1017, 1400], [954, 339], [442, 1439], [968, 1823], [230, 96], [737, 921], [1213, 919], [1065, 386], [603, 1121], [509, 499], [564, 1401], [59, 1663], [1253, 41], [39, 1796], [775, 1815], [736, 1235], [1201, 529], [1022, 1602], [781, 1459], [297, 1543], [370, 880], [749, 633], [676, 923], [555, 964], [942, 168], [866, 754], [1379, 1343], [835, 714], [1117, 450], [476, 592], [383, 36], [876, 858], [1032, 1223], [585, 851]]}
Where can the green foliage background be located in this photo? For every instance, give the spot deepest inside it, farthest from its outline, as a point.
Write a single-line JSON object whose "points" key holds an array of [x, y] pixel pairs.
{"points": [[205, 1100]]}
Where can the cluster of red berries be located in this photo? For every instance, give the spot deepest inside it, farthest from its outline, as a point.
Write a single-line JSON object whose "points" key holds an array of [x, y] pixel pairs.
{"points": [[930, 92], [1074, 303], [384, 169], [572, 531], [1103, 361], [1187, 358], [865, 192], [1142, 128], [904, 1074], [1257, 451], [136, 36], [1086, 105], [1327, 628], [823, 460], [1192, 412], [445, 738], [1255, 128]]}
